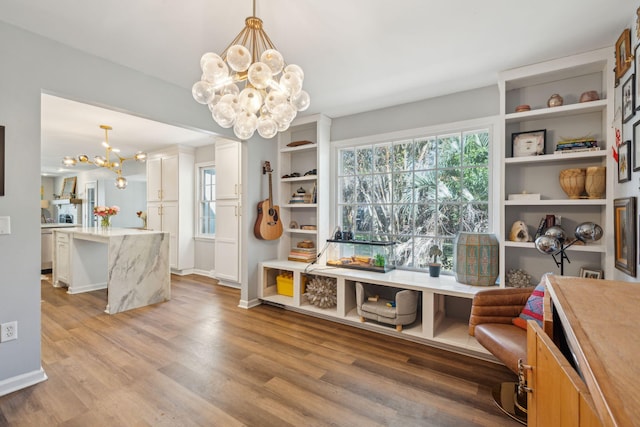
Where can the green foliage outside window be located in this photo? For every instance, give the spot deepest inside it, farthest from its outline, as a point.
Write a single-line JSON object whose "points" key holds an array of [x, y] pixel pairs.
{"points": [[417, 192]]}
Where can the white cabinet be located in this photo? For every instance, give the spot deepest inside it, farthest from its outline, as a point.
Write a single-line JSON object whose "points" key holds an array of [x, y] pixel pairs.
{"points": [[62, 264], [227, 169], [534, 85], [304, 167], [46, 249], [228, 219], [443, 314], [162, 182], [227, 246], [170, 202]]}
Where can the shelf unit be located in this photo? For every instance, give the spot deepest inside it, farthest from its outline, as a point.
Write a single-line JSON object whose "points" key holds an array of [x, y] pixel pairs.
{"points": [[444, 308], [303, 160], [533, 85]]}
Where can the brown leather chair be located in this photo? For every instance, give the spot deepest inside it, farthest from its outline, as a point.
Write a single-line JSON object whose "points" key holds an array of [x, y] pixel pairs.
{"points": [[492, 311]]}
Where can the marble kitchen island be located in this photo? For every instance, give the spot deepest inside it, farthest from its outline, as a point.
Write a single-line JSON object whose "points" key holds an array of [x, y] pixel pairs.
{"points": [[132, 264]]}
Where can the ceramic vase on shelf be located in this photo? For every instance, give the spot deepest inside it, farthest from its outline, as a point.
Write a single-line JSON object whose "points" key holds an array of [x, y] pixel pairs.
{"points": [[572, 182], [476, 261], [595, 181]]}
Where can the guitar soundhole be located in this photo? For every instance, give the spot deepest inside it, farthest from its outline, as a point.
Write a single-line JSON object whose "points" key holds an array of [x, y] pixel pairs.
{"points": [[274, 214]]}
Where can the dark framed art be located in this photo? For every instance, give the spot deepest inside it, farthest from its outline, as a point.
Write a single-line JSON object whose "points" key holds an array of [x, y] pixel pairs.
{"points": [[623, 54], [636, 149], [636, 94], [624, 222], [2, 161], [624, 165], [628, 99], [530, 143]]}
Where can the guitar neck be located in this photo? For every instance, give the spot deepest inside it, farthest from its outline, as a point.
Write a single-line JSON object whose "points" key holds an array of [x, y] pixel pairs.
{"points": [[270, 192]]}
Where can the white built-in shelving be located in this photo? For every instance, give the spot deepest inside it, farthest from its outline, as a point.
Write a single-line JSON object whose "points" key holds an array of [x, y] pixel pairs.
{"points": [[534, 85]]}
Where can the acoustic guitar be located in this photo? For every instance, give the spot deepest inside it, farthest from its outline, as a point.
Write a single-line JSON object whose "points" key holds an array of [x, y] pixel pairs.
{"points": [[268, 225]]}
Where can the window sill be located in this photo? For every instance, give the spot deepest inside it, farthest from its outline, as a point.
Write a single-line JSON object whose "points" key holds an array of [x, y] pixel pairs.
{"points": [[205, 238]]}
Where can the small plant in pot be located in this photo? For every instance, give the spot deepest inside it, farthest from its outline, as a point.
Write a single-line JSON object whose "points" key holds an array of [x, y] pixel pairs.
{"points": [[434, 266]]}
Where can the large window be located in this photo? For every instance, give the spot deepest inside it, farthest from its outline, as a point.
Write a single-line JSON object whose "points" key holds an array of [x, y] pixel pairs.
{"points": [[416, 192], [206, 200]]}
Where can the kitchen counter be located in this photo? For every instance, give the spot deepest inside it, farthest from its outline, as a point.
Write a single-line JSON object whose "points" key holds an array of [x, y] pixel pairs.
{"points": [[57, 225], [132, 264]]}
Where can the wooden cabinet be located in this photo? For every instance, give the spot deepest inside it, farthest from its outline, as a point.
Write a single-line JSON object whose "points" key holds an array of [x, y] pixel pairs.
{"points": [[559, 397], [594, 325], [170, 202], [539, 174], [228, 208], [304, 167]]}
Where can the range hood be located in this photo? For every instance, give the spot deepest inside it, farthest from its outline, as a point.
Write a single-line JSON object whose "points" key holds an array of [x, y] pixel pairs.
{"points": [[66, 201]]}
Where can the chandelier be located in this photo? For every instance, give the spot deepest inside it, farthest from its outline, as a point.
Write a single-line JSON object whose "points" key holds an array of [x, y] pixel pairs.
{"points": [[271, 95], [105, 161]]}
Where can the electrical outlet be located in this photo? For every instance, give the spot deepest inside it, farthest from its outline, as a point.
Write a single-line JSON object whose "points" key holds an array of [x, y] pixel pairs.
{"points": [[9, 331]]}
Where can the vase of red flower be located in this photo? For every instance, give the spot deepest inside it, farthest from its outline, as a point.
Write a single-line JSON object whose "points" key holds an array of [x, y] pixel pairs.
{"points": [[105, 213]]}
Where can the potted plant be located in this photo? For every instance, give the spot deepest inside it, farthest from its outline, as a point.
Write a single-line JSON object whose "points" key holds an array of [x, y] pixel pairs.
{"points": [[434, 266]]}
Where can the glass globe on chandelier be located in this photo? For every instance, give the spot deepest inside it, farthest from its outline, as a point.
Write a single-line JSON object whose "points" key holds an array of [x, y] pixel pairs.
{"points": [[105, 161], [272, 94]]}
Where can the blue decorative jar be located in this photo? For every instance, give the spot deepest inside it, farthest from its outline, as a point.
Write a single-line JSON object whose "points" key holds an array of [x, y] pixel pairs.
{"points": [[476, 258]]}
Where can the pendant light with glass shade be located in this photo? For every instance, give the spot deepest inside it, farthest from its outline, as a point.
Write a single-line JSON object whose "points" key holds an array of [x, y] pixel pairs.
{"points": [[272, 94], [105, 161]]}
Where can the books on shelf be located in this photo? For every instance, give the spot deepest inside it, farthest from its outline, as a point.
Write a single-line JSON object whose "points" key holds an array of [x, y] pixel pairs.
{"points": [[577, 150], [302, 254], [576, 145]]}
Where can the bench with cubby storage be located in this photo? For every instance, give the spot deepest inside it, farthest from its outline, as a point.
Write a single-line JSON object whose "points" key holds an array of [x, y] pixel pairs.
{"points": [[443, 308]]}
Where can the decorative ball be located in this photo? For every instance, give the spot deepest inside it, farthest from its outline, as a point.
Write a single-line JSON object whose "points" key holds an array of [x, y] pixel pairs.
{"points": [[273, 59], [202, 92], [239, 58], [295, 69], [267, 127], [250, 100], [301, 101], [259, 75], [291, 83]]}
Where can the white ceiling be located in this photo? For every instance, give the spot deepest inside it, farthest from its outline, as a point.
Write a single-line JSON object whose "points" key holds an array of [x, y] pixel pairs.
{"points": [[357, 55], [70, 128]]}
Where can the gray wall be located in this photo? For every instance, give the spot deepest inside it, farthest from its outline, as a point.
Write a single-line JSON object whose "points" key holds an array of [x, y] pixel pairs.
{"points": [[629, 188], [31, 64], [472, 104]]}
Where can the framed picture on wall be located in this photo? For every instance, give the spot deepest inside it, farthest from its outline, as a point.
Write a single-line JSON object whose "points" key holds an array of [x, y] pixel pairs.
{"points": [[2, 161], [623, 54], [636, 93], [636, 149], [624, 222], [624, 162], [628, 99]]}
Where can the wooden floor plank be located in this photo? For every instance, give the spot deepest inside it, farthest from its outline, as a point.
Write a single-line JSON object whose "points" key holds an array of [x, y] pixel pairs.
{"points": [[200, 360]]}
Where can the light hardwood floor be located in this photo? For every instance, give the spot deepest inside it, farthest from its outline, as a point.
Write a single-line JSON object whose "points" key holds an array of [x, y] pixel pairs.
{"points": [[200, 360]]}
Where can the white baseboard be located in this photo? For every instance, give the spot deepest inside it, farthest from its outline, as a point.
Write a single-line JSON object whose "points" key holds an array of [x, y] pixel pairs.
{"points": [[22, 381], [206, 273], [249, 304], [86, 288], [184, 272]]}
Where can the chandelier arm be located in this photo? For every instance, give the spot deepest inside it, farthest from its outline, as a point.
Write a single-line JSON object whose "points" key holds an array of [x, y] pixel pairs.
{"points": [[237, 40], [267, 41]]}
